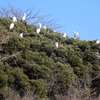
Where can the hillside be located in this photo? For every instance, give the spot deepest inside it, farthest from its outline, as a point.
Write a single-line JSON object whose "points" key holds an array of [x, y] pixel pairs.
{"points": [[34, 64]]}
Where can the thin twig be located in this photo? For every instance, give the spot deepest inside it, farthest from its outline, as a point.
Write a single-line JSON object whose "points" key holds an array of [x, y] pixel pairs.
{"points": [[5, 58]]}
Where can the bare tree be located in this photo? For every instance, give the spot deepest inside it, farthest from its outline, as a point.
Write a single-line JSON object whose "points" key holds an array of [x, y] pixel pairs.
{"points": [[31, 16]]}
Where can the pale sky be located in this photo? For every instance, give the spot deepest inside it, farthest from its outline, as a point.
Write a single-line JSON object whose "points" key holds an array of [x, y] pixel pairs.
{"points": [[82, 16]]}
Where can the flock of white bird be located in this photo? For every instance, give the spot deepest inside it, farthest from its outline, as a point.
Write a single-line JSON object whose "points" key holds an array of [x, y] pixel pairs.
{"points": [[14, 20]]}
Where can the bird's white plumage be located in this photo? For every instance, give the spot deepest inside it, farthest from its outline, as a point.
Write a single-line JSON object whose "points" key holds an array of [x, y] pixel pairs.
{"points": [[56, 44], [40, 25], [64, 35], [24, 17], [21, 35], [38, 30], [11, 26], [14, 19], [45, 27], [76, 34], [97, 41]]}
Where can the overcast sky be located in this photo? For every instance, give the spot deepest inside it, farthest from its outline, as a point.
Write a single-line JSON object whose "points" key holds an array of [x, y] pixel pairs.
{"points": [[82, 16]]}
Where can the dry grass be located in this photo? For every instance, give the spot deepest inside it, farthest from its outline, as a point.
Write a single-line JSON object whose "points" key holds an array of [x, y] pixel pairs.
{"points": [[82, 94], [13, 95], [79, 94]]}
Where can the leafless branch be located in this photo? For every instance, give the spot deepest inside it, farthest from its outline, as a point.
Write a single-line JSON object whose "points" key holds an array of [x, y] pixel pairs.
{"points": [[98, 76], [13, 55], [31, 18], [15, 12], [4, 12]]}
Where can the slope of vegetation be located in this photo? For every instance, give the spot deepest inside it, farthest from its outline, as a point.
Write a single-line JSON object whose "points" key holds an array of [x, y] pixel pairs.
{"points": [[34, 65]]}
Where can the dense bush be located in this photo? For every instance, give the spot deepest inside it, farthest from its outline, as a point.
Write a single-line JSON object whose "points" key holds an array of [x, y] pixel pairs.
{"points": [[33, 63]]}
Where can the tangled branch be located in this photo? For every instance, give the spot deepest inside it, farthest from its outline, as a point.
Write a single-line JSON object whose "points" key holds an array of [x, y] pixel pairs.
{"points": [[13, 55], [31, 18]]}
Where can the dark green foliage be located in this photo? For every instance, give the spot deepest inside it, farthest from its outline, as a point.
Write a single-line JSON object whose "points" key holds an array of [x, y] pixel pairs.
{"points": [[39, 87], [19, 79], [90, 57], [34, 63], [84, 46], [65, 78], [13, 45], [3, 79], [71, 41]]}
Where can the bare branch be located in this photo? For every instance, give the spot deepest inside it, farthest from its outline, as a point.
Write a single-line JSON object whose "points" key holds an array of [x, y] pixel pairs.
{"points": [[98, 76], [13, 55], [31, 16], [4, 12], [15, 12]]}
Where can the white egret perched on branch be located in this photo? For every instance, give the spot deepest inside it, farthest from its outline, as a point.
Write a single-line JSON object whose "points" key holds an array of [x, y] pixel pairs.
{"points": [[76, 34], [21, 35], [45, 27], [54, 31], [14, 19], [40, 25], [24, 17], [56, 44], [38, 30], [64, 35], [97, 41], [11, 26]]}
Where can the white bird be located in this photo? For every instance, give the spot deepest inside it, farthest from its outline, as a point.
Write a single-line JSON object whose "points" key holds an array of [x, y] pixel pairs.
{"points": [[14, 19], [97, 41], [64, 35], [21, 35], [40, 25], [76, 34], [24, 17], [38, 30], [11, 26], [54, 31], [45, 27], [56, 44]]}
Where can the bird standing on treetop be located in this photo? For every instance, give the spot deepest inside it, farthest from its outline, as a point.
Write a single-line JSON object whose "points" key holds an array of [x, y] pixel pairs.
{"points": [[11, 26], [38, 30], [56, 44], [76, 34], [24, 17], [21, 35], [97, 41], [14, 19], [40, 25], [45, 27], [64, 35]]}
